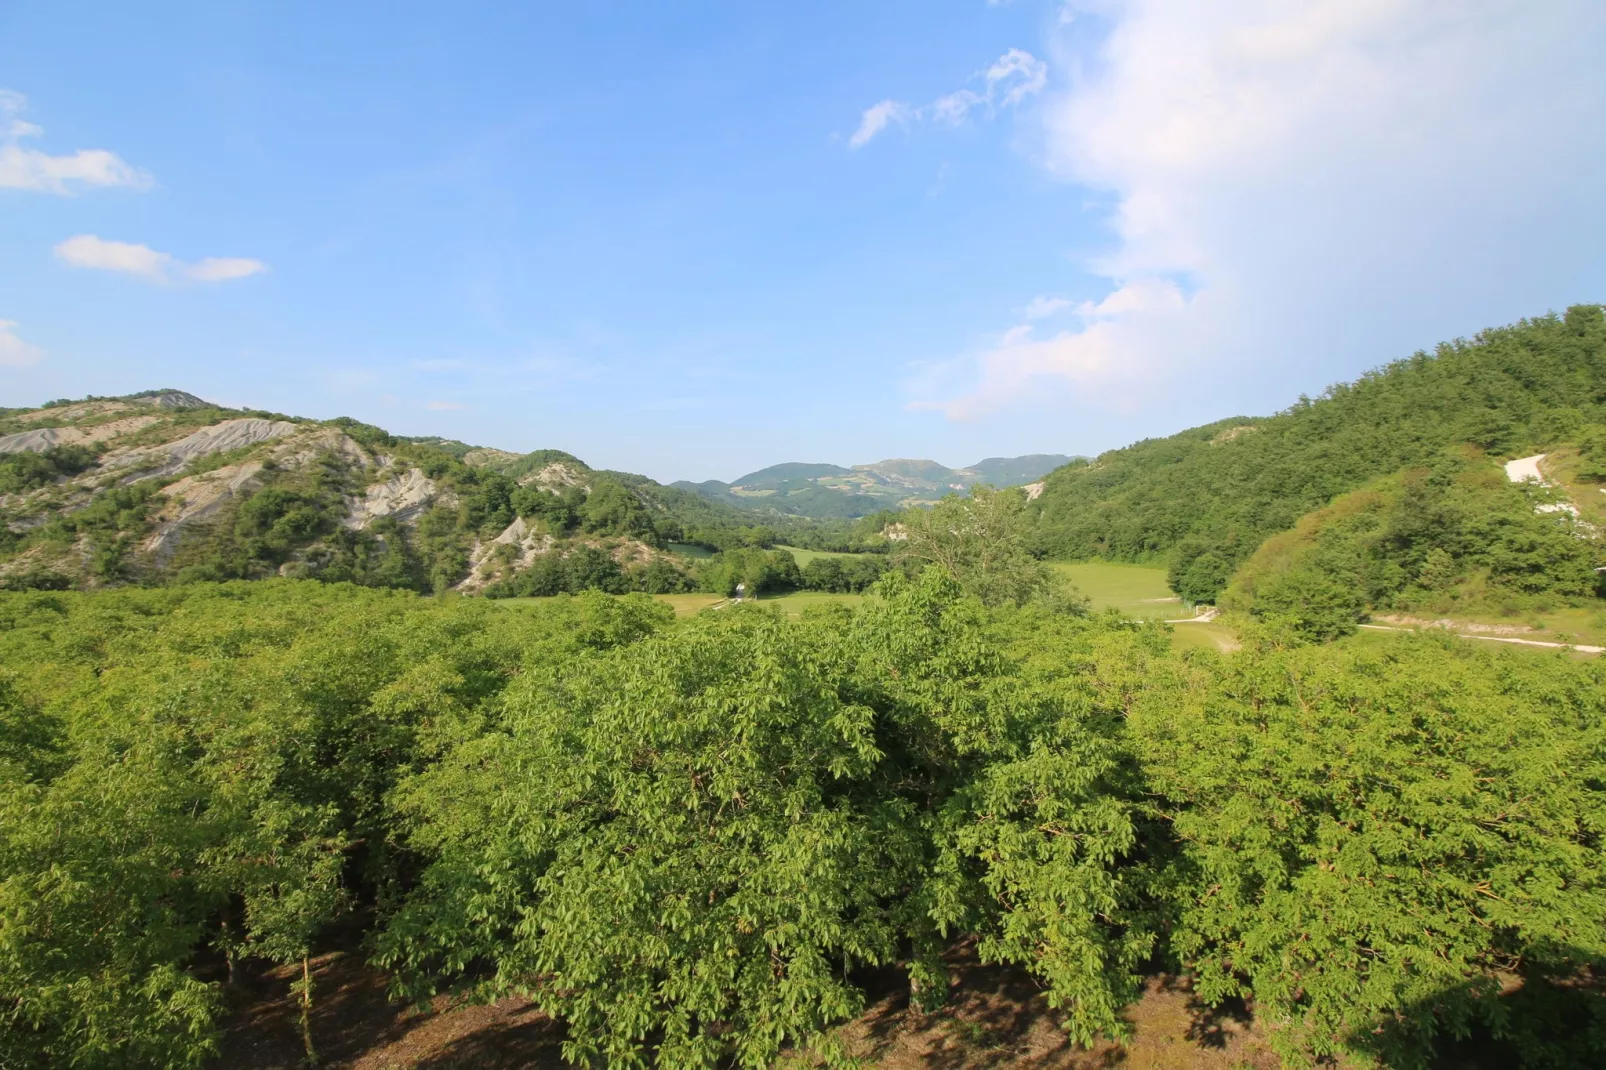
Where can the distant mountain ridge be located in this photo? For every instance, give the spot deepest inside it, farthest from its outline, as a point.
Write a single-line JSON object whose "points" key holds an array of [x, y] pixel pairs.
{"points": [[800, 488]]}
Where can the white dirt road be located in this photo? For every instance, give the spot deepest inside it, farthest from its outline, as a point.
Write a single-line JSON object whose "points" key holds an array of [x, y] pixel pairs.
{"points": [[1581, 648]]}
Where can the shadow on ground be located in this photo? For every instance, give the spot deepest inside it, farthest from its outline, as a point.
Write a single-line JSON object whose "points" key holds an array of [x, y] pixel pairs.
{"points": [[996, 1017]]}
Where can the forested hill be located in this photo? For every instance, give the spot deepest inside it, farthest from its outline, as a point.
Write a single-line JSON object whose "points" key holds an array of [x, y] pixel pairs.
{"points": [[827, 490], [1226, 486], [163, 486]]}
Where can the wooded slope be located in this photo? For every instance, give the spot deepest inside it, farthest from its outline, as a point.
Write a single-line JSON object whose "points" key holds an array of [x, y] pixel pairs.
{"points": [[1227, 485]]}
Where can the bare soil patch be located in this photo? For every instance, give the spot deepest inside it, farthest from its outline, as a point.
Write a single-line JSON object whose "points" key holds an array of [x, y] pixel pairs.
{"points": [[995, 1018], [356, 1027]]}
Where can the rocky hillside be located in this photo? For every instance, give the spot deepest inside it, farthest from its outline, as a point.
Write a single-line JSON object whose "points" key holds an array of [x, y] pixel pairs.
{"points": [[828, 490], [164, 486]]}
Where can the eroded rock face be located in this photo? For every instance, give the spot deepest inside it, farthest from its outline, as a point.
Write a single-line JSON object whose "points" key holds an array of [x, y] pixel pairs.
{"points": [[49, 438], [553, 476], [487, 456], [171, 399], [81, 411], [40, 439], [404, 497], [311, 443], [172, 457], [520, 533], [194, 498]]}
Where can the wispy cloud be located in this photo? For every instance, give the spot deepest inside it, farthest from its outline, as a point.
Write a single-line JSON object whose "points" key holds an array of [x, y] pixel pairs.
{"points": [[27, 168], [1312, 184], [143, 262], [877, 117], [1094, 359], [14, 352], [444, 406], [1006, 83], [1040, 308]]}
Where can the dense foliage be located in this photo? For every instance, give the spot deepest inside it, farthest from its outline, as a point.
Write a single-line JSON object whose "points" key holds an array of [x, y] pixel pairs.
{"points": [[1213, 493], [287, 509], [980, 541], [1452, 536], [1374, 844], [682, 837], [21, 472]]}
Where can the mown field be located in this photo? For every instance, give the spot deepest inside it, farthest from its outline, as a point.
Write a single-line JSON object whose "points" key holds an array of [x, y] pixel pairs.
{"points": [[1137, 590], [803, 557]]}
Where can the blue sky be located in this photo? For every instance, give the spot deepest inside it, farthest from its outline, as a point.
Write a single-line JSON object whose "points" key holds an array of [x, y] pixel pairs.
{"points": [[692, 240]]}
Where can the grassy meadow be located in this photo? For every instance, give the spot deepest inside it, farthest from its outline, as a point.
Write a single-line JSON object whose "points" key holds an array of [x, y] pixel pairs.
{"points": [[803, 557], [1136, 590]]}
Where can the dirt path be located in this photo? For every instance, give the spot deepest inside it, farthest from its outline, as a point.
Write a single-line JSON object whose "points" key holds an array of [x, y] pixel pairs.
{"points": [[1580, 647]]}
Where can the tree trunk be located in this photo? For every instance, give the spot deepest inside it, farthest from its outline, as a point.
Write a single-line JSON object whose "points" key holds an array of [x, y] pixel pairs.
{"points": [[306, 1011]]}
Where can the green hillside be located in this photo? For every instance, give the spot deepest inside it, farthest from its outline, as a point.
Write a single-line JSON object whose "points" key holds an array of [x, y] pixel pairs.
{"points": [[778, 475], [1454, 537], [711, 839], [1221, 489], [828, 491], [163, 487]]}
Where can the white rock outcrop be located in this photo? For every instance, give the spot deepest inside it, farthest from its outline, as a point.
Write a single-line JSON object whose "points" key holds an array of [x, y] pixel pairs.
{"points": [[40, 439], [404, 496], [519, 533], [172, 457], [48, 438], [195, 498], [553, 476]]}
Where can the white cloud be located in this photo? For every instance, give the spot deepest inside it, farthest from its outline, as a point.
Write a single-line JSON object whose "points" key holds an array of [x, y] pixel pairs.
{"points": [[224, 268], [1095, 359], [876, 118], [1010, 79], [443, 406], [14, 352], [1019, 74], [89, 251], [22, 167], [955, 106], [1333, 182], [1040, 307]]}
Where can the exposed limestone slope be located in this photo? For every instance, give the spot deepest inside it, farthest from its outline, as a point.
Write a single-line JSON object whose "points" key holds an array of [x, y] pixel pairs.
{"points": [[520, 534], [403, 496], [197, 497], [555, 476], [194, 498], [487, 456], [49, 438], [171, 458], [311, 442], [169, 399]]}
